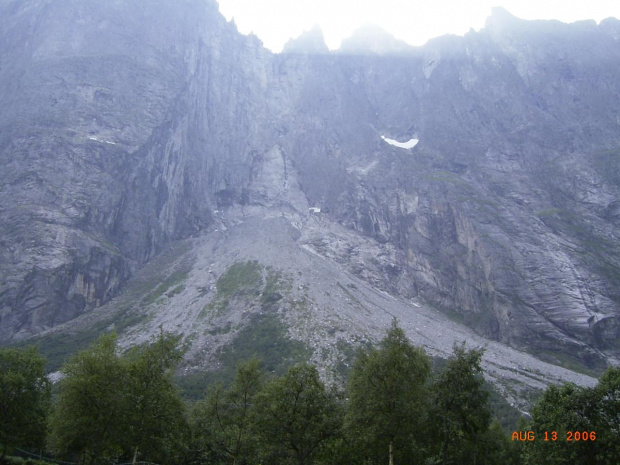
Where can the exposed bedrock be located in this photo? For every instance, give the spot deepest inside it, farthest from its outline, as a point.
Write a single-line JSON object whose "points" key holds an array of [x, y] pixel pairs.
{"points": [[124, 127]]}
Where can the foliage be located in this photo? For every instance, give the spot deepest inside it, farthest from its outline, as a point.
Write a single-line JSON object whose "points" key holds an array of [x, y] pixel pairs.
{"points": [[109, 405], [294, 416], [57, 348], [24, 398], [113, 407], [264, 338], [607, 422], [222, 423], [561, 409], [459, 414], [568, 410], [87, 418], [386, 396], [155, 410], [505, 413]]}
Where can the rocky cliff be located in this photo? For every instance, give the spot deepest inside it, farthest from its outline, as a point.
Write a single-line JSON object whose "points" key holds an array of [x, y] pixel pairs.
{"points": [[126, 126]]}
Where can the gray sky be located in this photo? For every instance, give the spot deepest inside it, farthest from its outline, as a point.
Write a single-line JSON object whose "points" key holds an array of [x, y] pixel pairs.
{"points": [[275, 21]]}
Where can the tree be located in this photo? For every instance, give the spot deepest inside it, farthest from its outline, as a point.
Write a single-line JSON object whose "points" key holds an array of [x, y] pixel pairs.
{"points": [[574, 413], [89, 417], [495, 447], [560, 410], [24, 398], [223, 421], [294, 416], [155, 411], [460, 415], [607, 421], [111, 406], [386, 396]]}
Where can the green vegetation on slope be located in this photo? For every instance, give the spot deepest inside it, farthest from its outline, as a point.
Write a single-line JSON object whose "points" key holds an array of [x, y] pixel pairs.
{"points": [[175, 279], [124, 408], [240, 278], [264, 337]]}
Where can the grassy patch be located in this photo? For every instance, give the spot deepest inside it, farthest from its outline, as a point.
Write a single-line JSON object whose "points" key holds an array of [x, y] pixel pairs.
{"points": [[450, 178], [226, 329], [245, 280], [241, 278], [177, 290], [548, 212], [57, 348], [174, 279], [271, 292], [264, 337], [566, 361], [479, 201]]}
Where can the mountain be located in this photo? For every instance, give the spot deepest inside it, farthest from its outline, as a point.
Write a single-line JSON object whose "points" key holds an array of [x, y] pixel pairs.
{"points": [[161, 169], [311, 41], [371, 39]]}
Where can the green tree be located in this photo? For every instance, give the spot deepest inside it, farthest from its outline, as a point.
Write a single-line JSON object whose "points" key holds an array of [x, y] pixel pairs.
{"points": [[607, 420], [570, 411], [386, 397], [495, 447], [24, 398], [155, 411], [294, 416], [222, 423], [88, 419], [560, 410], [460, 415], [111, 406]]}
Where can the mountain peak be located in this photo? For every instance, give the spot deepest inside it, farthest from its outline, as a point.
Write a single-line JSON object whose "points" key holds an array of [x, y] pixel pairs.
{"points": [[500, 18], [501, 13], [310, 42], [374, 40]]}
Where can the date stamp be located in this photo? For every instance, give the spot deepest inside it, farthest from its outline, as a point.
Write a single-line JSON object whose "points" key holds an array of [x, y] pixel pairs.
{"points": [[570, 436]]}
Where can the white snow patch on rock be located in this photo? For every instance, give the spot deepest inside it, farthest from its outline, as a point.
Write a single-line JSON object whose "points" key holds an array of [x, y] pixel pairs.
{"points": [[411, 143], [102, 141]]}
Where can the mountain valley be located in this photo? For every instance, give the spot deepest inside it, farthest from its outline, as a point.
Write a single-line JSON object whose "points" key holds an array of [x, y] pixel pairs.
{"points": [[161, 170]]}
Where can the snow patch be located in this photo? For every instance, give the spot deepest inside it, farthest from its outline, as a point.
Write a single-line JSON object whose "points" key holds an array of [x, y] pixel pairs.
{"points": [[104, 141], [411, 143], [314, 210]]}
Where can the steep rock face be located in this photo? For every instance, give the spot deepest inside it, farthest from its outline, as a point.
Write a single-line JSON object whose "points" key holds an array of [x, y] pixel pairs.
{"points": [[311, 41], [123, 127], [110, 118], [504, 211]]}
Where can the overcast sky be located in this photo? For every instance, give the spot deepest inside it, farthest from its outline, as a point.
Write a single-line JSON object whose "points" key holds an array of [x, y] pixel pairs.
{"points": [[276, 21]]}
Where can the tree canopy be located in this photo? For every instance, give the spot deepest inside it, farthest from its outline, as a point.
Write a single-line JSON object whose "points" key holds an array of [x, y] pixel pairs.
{"points": [[294, 416], [459, 411], [24, 398], [111, 405], [386, 395]]}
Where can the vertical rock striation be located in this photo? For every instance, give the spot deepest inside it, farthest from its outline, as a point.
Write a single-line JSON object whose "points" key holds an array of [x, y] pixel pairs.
{"points": [[124, 126]]}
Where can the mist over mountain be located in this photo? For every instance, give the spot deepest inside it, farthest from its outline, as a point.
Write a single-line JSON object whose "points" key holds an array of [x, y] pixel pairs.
{"points": [[149, 145]]}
